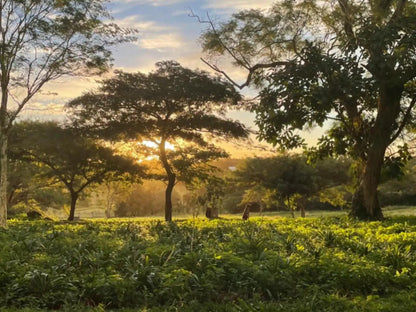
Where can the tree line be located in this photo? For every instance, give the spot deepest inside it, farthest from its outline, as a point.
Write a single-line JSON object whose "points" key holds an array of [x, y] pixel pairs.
{"points": [[53, 167], [345, 65]]}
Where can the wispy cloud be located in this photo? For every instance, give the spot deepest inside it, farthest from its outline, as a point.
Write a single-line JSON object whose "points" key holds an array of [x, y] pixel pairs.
{"points": [[140, 23], [161, 41], [152, 2], [152, 35], [236, 5]]}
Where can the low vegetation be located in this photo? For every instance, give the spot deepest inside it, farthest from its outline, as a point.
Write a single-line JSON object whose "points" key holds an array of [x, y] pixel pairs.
{"points": [[265, 264]]}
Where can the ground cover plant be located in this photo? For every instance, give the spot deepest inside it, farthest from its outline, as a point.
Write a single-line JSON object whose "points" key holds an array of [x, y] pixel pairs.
{"points": [[265, 264]]}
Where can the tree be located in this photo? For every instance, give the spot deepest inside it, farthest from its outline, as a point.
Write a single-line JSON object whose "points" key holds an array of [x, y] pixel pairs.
{"points": [[287, 176], [208, 193], [348, 65], [290, 179], [42, 41], [172, 105], [75, 161], [29, 183]]}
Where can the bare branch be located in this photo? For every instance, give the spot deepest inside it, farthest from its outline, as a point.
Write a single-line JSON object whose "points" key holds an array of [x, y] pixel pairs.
{"points": [[405, 120], [251, 71]]}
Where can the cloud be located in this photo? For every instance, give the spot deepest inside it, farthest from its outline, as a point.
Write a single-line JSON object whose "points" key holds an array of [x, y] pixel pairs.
{"points": [[237, 5], [151, 2], [152, 35], [161, 41], [138, 22]]}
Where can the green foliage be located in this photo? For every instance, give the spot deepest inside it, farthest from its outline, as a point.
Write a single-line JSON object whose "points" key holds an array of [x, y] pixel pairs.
{"points": [[346, 66], [292, 180], [330, 264], [67, 157], [29, 183]]}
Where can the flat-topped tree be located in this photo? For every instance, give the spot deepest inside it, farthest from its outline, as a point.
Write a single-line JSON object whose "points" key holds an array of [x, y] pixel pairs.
{"points": [[75, 161], [348, 65], [42, 41], [167, 105]]}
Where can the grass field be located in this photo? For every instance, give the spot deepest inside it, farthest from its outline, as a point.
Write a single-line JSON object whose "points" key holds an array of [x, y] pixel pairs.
{"points": [[266, 264]]}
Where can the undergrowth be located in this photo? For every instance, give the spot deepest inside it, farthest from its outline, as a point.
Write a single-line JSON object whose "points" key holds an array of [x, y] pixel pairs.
{"points": [[329, 264]]}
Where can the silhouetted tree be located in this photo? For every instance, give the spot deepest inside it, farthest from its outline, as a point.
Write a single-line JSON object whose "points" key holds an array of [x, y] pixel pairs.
{"points": [[172, 105], [77, 162]]}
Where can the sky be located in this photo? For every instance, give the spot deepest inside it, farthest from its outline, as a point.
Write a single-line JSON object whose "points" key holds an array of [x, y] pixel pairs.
{"points": [[166, 32]]}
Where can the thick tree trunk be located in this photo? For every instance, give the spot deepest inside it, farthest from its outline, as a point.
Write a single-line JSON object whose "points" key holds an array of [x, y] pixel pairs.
{"points": [[365, 204], [74, 198]]}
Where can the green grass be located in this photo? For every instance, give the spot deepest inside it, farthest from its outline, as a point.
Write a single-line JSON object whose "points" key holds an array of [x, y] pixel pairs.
{"points": [[266, 264]]}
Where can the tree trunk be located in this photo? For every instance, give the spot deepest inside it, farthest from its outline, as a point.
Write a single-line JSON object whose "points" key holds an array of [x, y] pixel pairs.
{"points": [[302, 211], [365, 204], [74, 197], [289, 206], [3, 179], [171, 180], [3, 153], [168, 196]]}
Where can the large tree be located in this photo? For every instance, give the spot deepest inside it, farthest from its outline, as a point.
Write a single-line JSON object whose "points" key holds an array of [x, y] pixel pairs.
{"points": [[347, 65], [73, 160], [41, 41], [172, 105]]}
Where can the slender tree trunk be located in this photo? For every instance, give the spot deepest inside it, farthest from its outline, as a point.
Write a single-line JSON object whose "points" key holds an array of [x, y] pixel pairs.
{"points": [[290, 207], [3, 155], [109, 200], [365, 204], [171, 181], [74, 198], [168, 196], [302, 210], [3, 179]]}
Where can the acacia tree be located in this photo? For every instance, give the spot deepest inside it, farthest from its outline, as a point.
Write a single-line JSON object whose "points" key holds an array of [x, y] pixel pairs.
{"points": [[42, 41], [73, 160], [172, 105], [349, 62]]}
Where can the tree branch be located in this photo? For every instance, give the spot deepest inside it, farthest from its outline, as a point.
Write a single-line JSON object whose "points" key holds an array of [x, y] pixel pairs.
{"points": [[405, 120], [251, 71]]}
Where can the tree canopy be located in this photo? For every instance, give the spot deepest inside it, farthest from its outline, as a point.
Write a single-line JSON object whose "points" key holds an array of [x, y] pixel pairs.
{"points": [[289, 178], [73, 160], [346, 65], [172, 105]]}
